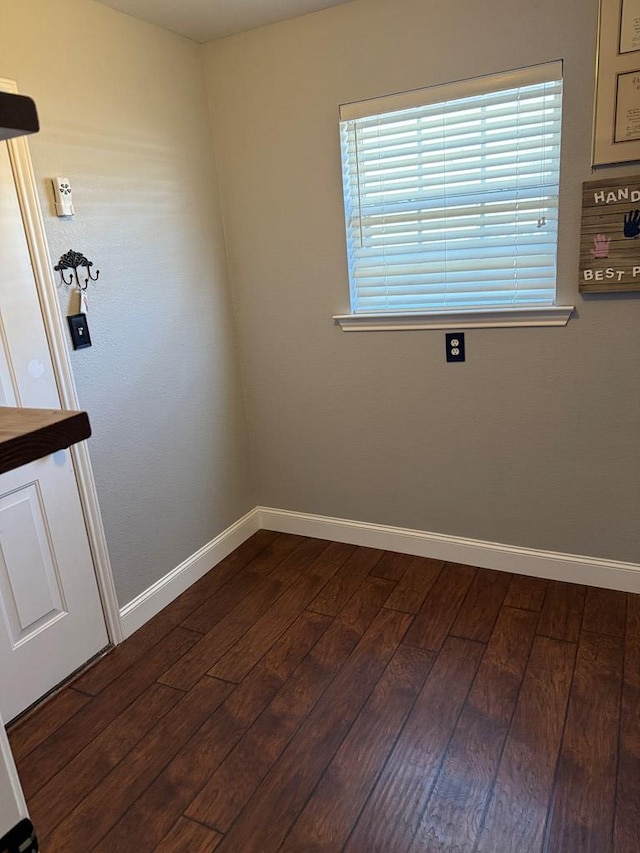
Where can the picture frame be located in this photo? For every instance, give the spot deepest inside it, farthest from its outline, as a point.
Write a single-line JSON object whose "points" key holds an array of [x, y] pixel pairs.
{"points": [[616, 127]]}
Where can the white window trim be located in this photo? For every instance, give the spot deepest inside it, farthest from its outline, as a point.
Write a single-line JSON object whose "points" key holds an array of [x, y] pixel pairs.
{"points": [[477, 318]]}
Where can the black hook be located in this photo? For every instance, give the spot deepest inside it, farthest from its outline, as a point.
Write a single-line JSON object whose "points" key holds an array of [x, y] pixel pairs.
{"points": [[71, 261], [68, 283]]}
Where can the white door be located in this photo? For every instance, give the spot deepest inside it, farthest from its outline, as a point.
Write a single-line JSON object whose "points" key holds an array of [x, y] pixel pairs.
{"points": [[51, 620]]}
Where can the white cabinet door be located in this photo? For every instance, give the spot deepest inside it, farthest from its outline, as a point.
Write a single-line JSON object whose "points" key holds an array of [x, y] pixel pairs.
{"points": [[51, 620]]}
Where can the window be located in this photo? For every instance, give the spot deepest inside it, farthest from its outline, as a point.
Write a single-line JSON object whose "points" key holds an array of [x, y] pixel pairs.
{"points": [[451, 197]]}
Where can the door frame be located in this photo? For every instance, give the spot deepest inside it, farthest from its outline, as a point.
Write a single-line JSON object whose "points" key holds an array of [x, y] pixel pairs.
{"points": [[47, 293], [13, 805]]}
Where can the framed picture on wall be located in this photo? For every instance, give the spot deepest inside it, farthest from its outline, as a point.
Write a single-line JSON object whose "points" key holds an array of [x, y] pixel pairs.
{"points": [[616, 136]]}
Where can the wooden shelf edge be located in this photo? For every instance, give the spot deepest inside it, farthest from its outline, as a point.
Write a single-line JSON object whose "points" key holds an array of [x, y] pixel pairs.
{"points": [[30, 434]]}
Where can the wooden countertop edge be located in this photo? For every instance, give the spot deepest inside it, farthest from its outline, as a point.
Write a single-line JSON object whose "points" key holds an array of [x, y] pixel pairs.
{"points": [[30, 434]]}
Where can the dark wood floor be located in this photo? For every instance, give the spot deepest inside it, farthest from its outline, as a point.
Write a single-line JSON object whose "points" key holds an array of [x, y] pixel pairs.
{"points": [[308, 696]]}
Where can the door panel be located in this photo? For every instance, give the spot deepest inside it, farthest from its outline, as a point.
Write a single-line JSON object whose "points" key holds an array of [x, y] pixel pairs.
{"points": [[30, 590], [24, 350], [51, 619]]}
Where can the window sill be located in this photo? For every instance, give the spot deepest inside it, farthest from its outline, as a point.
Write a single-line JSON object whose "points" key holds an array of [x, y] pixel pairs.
{"points": [[488, 318]]}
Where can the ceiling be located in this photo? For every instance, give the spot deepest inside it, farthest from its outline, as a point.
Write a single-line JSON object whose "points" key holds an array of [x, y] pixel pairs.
{"points": [[205, 20]]}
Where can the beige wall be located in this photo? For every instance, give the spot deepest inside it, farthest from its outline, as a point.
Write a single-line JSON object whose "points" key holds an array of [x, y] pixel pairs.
{"points": [[124, 115], [535, 440]]}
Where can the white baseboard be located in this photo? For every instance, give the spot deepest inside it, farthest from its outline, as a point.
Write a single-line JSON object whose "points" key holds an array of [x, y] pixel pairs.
{"points": [[593, 571], [573, 568], [150, 602]]}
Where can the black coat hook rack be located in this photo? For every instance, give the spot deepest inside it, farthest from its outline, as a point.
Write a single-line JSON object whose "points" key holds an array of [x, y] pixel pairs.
{"points": [[73, 261]]}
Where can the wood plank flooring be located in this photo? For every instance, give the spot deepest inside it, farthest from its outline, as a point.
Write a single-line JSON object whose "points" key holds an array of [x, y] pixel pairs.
{"points": [[314, 696]]}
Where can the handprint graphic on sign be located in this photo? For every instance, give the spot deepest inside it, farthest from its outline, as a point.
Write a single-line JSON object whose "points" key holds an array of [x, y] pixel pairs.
{"points": [[632, 224], [601, 246]]}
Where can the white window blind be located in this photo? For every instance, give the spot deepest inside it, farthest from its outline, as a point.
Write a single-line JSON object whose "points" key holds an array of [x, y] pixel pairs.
{"points": [[451, 199]]}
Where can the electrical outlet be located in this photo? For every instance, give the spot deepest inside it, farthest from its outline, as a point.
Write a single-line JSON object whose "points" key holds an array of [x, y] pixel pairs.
{"points": [[455, 346]]}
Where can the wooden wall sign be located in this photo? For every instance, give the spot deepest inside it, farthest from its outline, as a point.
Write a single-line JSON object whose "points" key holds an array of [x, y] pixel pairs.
{"points": [[610, 236]]}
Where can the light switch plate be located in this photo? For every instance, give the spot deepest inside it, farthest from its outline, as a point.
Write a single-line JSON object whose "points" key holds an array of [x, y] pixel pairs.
{"points": [[80, 337]]}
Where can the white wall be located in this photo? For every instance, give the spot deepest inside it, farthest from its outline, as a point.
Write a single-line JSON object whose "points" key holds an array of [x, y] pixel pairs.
{"points": [[124, 115], [534, 440]]}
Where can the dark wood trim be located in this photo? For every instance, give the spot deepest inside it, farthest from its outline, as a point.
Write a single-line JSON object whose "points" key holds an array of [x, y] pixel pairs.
{"points": [[30, 434]]}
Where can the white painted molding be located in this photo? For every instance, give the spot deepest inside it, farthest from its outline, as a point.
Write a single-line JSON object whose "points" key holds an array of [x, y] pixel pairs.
{"points": [[40, 260], [480, 318], [150, 602], [573, 568], [12, 803]]}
